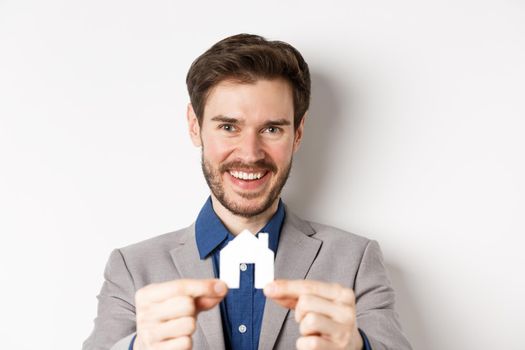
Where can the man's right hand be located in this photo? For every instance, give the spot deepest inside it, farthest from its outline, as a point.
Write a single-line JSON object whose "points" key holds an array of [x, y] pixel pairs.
{"points": [[167, 312]]}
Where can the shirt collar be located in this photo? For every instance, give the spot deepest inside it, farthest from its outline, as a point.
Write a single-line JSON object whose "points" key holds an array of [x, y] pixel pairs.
{"points": [[210, 232]]}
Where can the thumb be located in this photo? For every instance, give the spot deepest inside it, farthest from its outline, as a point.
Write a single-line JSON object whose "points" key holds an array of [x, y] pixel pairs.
{"points": [[207, 302]]}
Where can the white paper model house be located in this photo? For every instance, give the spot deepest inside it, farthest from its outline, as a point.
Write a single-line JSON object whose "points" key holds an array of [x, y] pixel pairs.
{"points": [[247, 248]]}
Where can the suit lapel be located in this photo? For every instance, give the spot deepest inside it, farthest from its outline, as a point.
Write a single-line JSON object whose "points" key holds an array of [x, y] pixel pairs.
{"points": [[187, 261], [295, 254]]}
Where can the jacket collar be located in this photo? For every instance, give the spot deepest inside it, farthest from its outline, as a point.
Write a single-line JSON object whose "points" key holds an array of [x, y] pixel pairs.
{"points": [[211, 233]]}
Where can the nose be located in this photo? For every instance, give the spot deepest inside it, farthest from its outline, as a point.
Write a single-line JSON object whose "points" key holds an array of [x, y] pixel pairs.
{"points": [[250, 148]]}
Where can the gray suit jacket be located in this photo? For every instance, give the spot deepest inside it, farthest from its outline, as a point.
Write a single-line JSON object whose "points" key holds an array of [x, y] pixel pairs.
{"points": [[306, 251]]}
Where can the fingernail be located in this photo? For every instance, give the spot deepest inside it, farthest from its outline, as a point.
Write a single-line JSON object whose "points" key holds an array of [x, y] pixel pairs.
{"points": [[219, 287]]}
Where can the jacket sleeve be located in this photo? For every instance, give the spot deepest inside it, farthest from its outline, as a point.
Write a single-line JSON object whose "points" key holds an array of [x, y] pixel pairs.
{"points": [[375, 303], [115, 322]]}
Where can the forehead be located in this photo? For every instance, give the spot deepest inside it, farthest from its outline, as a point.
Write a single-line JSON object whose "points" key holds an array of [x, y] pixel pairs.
{"points": [[262, 99]]}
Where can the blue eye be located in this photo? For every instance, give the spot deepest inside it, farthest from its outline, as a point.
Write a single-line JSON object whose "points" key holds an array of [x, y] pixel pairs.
{"points": [[227, 127], [272, 130]]}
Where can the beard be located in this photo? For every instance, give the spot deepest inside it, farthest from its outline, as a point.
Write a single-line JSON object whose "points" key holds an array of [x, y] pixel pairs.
{"points": [[214, 180]]}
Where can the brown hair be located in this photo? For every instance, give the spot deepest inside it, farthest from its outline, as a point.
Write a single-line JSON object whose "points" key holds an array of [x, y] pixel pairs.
{"points": [[246, 58]]}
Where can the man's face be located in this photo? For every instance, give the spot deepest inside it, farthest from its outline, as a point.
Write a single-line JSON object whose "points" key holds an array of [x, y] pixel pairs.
{"points": [[248, 139]]}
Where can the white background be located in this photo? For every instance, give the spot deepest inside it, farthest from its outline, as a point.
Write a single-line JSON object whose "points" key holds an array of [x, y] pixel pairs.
{"points": [[414, 138]]}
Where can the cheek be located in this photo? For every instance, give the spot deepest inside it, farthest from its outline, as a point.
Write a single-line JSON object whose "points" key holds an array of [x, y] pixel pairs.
{"points": [[282, 153], [215, 150]]}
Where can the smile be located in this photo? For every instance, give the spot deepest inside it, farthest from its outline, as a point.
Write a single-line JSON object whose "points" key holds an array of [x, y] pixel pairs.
{"points": [[246, 175], [249, 180]]}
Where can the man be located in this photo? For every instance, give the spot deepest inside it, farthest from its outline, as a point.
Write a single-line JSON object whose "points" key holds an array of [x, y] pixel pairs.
{"points": [[249, 97]]}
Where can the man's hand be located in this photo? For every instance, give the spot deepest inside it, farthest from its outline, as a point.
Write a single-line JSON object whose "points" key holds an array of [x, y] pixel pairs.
{"points": [[325, 313], [167, 312]]}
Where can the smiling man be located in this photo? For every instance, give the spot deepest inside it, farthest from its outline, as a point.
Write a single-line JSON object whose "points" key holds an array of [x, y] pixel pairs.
{"points": [[248, 138], [249, 97]]}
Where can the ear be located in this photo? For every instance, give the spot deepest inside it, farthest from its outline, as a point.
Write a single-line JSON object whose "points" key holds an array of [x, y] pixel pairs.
{"points": [[193, 126], [299, 132]]}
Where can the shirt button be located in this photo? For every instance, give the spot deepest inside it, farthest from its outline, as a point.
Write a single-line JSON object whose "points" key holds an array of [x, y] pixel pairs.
{"points": [[243, 267], [242, 328]]}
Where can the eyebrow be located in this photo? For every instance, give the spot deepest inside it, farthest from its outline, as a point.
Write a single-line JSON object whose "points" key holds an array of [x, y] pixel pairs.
{"points": [[278, 122], [224, 119]]}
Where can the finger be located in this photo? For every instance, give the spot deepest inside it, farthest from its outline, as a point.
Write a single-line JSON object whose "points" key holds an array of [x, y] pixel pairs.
{"points": [[171, 308], [313, 342], [279, 289], [175, 307], [181, 343], [179, 327], [341, 313], [159, 292], [288, 303], [206, 303], [320, 325]]}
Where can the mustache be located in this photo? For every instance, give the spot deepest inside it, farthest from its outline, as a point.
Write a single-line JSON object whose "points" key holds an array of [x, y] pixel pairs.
{"points": [[261, 164]]}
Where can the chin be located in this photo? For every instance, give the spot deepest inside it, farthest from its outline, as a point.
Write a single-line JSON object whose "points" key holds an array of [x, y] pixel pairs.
{"points": [[248, 207]]}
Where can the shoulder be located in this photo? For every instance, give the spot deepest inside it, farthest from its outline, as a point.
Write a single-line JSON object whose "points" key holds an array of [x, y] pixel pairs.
{"points": [[341, 254], [150, 260], [161, 242], [326, 233], [340, 242]]}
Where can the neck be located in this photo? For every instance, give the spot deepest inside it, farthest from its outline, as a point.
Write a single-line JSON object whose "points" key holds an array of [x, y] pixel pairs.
{"points": [[236, 223]]}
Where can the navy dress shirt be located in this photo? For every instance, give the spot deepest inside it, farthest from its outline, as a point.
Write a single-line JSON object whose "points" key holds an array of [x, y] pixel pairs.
{"points": [[242, 309]]}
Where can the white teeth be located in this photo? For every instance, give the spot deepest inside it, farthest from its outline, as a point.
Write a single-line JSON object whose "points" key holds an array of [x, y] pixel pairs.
{"points": [[245, 176]]}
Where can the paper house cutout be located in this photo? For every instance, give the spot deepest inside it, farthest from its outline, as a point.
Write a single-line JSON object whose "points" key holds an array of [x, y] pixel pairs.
{"points": [[247, 248]]}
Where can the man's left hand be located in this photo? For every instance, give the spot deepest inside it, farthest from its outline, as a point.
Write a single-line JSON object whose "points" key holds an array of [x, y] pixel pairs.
{"points": [[325, 313]]}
